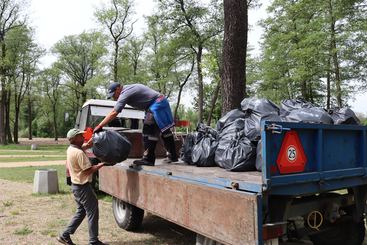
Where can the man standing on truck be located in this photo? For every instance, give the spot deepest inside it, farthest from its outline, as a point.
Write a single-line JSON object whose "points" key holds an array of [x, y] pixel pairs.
{"points": [[158, 117], [81, 171]]}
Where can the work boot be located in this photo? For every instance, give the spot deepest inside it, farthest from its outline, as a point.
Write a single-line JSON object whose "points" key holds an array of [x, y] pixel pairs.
{"points": [[143, 162], [149, 153], [169, 159], [65, 240], [169, 144]]}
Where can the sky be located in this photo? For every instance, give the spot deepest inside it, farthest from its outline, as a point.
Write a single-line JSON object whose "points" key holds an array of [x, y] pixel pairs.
{"points": [[54, 19]]}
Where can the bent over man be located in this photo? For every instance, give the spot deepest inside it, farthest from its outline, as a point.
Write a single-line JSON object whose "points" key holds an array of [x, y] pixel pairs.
{"points": [[81, 171], [158, 117]]}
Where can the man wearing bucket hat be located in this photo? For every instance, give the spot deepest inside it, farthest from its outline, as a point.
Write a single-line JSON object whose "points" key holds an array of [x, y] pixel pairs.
{"points": [[81, 171], [158, 117]]}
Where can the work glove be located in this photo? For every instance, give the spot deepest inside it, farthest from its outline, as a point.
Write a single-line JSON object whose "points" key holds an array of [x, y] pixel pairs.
{"points": [[97, 129]]}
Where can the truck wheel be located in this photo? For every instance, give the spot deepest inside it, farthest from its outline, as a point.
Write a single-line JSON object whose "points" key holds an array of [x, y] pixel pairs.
{"points": [[127, 216], [348, 232]]}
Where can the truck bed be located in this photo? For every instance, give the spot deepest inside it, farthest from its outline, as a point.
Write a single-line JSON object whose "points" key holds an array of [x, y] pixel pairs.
{"points": [[205, 200], [215, 176]]}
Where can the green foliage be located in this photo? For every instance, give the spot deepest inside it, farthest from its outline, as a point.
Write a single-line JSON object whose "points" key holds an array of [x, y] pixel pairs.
{"points": [[79, 58], [25, 230], [298, 54]]}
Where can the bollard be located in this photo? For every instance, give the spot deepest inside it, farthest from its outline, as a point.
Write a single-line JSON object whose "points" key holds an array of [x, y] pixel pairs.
{"points": [[46, 181], [34, 147]]}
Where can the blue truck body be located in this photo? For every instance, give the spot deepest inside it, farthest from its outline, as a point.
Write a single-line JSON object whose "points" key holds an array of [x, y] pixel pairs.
{"points": [[336, 161]]}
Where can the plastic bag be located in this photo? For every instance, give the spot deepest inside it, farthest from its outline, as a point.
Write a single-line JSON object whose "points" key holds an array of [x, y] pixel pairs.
{"points": [[261, 106], [309, 115], [344, 116], [253, 124], [230, 117], [110, 147], [188, 145], [293, 104], [236, 153], [204, 149]]}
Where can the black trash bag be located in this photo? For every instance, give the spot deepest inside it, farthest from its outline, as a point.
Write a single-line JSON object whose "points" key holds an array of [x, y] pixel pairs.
{"points": [[187, 147], [252, 126], [261, 106], [236, 153], [110, 147], [206, 143], [230, 117], [344, 116], [286, 106], [259, 156], [309, 115]]}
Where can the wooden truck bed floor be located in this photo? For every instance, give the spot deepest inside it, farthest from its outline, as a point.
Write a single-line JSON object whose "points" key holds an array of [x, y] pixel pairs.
{"points": [[249, 181]]}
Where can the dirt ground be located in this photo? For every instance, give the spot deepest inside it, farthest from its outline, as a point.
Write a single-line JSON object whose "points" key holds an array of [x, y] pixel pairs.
{"points": [[37, 219]]}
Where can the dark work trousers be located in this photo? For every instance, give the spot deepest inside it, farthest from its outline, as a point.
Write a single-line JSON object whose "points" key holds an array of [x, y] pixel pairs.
{"points": [[151, 134], [87, 204]]}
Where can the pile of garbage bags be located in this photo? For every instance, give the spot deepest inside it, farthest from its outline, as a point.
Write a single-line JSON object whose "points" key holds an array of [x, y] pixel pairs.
{"points": [[235, 143], [111, 147]]}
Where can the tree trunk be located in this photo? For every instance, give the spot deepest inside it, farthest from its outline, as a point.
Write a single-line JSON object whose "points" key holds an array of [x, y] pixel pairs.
{"points": [[304, 92], [214, 101], [200, 82], [7, 119], [328, 78], [54, 111], [16, 126], [234, 54], [115, 61], [30, 115], [335, 57], [181, 88], [3, 96]]}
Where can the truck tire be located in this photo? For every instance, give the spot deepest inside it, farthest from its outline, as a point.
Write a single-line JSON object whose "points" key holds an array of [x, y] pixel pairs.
{"points": [[348, 232], [127, 216]]}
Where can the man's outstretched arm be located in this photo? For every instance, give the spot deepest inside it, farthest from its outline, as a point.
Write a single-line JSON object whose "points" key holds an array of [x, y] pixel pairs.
{"points": [[112, 115]]}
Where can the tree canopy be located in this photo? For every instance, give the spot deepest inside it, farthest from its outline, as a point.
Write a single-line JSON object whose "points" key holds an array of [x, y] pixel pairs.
{"points": [[192, 49]]}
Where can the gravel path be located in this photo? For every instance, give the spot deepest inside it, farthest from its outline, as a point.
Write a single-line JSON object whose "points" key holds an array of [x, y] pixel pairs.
{"points": [[30, 163]]}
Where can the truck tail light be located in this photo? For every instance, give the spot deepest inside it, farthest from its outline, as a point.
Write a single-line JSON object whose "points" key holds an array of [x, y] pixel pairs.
{"points": [[88, 134], [271, 231]]}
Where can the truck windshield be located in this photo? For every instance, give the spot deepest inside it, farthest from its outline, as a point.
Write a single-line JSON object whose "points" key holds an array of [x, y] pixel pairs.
{"points": [[128, 118]]}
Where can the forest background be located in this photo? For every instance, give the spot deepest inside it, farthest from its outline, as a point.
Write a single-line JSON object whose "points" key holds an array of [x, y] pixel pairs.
{"points": [[314, 50]]}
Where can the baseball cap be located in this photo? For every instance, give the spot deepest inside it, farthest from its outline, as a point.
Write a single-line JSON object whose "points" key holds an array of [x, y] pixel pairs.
{"points": [[112, 88], [74, 132]]}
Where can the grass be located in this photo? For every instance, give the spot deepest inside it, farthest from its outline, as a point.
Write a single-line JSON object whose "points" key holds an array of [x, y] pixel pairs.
{"points": [[30, 159], [23, 231], [59, 148], [26, 175], [8, 203], [30, 153], [16, 153], [14, 212]]}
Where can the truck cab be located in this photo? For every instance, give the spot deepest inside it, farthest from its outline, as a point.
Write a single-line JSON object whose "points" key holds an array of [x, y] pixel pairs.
{"points": [[93, 112]]}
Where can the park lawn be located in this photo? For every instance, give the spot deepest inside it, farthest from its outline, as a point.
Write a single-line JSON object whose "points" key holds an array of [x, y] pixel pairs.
{"points": [[31, 159], [27, 148], [44, 153], [26, 175], [30, 153]]}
